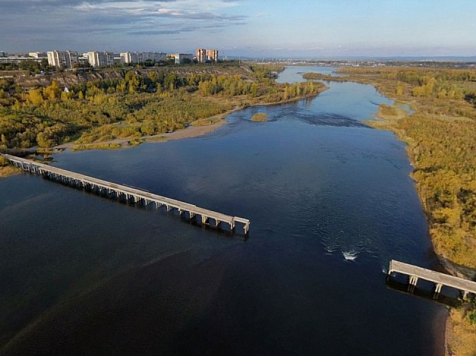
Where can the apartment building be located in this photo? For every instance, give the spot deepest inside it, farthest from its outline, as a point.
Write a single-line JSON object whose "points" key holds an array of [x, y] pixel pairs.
{"points": [[38, 55], [212, 55], [100, 59], [62, 59], [140, 57], [201, 55], [129, 57], [206, 55], [181, 58]]}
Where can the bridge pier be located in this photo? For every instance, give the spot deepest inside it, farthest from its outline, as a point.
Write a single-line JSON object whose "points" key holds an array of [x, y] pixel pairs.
{"points": [[246, 228], [412, 283], [438, 287]]}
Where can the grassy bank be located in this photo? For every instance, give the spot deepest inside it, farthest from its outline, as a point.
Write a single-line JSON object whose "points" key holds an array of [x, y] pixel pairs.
{"points": [[6, 170], [461, 331]]}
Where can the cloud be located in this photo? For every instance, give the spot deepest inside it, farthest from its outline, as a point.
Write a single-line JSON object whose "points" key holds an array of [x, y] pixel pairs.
{"points": [[115, 18], [186, 9]]}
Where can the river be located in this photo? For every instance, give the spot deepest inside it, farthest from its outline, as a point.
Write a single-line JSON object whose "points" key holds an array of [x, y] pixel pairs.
{"points": [[330, 202]]}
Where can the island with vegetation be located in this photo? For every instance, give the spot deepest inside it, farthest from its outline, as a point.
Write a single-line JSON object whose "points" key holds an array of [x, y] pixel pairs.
{"points": [[115, 108], [441, 136], [260, 117]]}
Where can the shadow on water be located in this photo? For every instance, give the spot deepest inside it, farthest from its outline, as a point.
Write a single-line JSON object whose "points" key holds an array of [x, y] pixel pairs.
{"points": [[448, 298]]}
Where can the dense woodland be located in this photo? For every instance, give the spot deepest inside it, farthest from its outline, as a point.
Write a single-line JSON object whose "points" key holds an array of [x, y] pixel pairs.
{"points": [[441, 135], [134, 105]]}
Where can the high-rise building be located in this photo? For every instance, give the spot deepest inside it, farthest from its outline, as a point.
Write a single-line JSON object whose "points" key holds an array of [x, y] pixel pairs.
{"points": [[129, 57], [201, 55], [62, 59], [206, 55], [100, 59], [212, 55]]}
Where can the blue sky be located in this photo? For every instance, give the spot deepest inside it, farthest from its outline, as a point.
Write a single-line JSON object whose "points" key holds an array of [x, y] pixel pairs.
{"points": [[256, 28]]}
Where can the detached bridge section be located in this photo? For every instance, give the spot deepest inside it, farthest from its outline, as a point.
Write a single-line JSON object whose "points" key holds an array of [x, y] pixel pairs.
{"points": [[126, 193], [440, 279]]}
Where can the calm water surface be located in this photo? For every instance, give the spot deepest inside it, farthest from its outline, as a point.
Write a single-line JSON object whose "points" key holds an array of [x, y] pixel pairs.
{"points": [[330, 203]]}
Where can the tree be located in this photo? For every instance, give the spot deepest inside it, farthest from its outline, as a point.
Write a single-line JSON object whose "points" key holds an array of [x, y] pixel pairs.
{"points": [[254, 90], [170, 81], [35, 97], [52, 92]]}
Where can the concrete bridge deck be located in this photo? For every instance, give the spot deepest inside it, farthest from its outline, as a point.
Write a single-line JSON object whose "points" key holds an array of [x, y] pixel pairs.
{"points": [[125, 192], [440, 279]]}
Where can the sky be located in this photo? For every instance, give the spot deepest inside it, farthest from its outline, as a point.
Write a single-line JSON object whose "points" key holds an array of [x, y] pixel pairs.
{"points": [[248, 28]]}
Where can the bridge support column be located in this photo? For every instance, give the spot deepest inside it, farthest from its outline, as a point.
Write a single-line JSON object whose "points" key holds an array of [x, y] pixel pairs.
{"points": [[437, 290], [389, 274], [204, 219], [246, 228], [412, 283]]}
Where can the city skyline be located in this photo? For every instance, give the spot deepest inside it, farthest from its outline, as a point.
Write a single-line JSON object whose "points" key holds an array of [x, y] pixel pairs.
{"points": [[243, 27]]}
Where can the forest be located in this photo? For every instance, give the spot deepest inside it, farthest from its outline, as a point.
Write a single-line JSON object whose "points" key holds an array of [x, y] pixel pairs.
{"points": [[133, 106]]}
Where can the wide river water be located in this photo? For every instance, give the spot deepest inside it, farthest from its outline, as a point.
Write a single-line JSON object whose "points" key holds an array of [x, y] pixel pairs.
{"points": [[330, 202]]}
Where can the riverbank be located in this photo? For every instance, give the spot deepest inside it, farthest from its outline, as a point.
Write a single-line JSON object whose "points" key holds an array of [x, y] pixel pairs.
{"points": [[432, 139], [195, 129], [8, 171], [439, 132], [459, 334]]}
